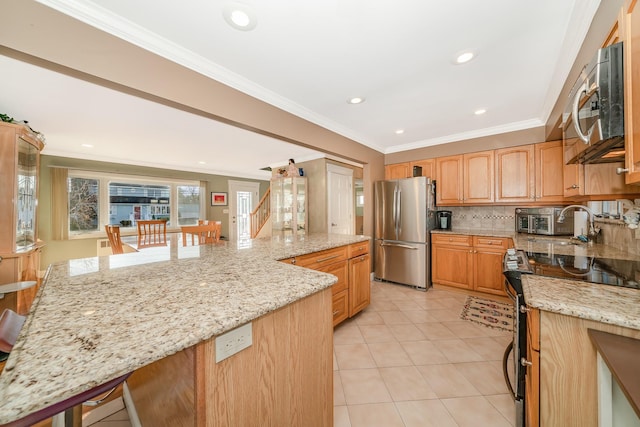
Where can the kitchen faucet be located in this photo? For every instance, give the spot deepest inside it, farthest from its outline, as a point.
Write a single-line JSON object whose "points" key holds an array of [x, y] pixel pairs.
{"points": [[592, 230]]}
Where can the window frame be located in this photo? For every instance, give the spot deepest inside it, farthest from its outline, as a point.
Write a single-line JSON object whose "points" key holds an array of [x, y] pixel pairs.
{"points": [[104, 179]]}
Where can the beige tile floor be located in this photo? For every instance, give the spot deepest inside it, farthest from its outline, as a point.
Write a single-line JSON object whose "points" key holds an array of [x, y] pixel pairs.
{"points": [[409, 360]]}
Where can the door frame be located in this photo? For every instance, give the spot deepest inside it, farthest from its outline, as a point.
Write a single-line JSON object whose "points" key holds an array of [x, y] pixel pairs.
{"points": [[234, 187], [340, 170]]}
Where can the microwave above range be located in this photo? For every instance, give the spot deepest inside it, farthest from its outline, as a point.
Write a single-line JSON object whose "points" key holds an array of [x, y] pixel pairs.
{"points": [[543, 221]]}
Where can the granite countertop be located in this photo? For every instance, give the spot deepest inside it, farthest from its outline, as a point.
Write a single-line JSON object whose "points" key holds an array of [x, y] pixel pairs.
{"points": [[95, 319]]}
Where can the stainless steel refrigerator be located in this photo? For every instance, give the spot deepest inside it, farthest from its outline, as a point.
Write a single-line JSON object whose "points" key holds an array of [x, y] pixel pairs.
{"points": [[404, 217]]}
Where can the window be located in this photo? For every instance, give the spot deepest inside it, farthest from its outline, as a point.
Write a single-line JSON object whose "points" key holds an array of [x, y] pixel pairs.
{"points": [[97, 199]]}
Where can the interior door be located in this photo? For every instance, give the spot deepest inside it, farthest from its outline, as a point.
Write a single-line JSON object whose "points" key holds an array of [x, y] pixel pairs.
{"points": [[243, 198], [340, 200]]}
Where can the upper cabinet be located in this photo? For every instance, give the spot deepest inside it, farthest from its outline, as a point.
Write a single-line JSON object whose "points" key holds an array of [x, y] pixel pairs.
{"points": [[406, 170], [465, 179], [548, 172], [630, 23], [515, 180], [20, 161]]}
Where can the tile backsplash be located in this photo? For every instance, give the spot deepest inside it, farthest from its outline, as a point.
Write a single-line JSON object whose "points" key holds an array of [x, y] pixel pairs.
{"points": [[502, 218], [499, 218]]}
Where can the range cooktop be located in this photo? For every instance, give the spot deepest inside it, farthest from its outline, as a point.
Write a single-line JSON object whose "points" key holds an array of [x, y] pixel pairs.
{"points": [[616, 272]]}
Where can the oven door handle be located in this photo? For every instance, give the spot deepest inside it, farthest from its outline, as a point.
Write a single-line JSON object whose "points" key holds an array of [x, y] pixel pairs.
{"points": [[505, 369]]}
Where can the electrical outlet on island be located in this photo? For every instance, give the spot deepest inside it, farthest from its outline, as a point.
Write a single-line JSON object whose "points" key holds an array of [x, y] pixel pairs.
{"points": [[233, 341]]}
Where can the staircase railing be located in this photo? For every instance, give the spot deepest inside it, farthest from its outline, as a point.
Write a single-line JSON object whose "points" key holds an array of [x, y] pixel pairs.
{"points": [[261, 214]]}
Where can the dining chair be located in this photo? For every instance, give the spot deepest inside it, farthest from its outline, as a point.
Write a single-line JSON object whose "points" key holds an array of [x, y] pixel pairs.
{"points": [[113, 233], [10, 325], [218, 228], [202, 233], [152, 233]]}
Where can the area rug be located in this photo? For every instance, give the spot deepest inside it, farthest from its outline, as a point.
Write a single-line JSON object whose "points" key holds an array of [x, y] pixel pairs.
{"points": [[488, 313]]}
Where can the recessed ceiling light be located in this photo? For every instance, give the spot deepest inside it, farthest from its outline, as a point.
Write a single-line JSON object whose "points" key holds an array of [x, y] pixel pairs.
{"points": [[399, 131], [87, 145], [239, 16], [202, 162], [480, 112], [356, 100], [464, 57]]}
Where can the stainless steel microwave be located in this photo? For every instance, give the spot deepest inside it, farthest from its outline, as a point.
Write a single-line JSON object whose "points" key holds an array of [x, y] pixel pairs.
{"points": [[593, 120], [543, 221]]}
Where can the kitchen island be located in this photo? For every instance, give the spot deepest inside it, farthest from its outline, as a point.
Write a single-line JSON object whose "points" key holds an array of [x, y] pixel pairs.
{"points": [[95, 319]]}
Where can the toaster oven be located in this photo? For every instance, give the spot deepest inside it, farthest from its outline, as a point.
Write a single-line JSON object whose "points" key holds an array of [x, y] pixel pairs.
{"points": [[543, 221]]}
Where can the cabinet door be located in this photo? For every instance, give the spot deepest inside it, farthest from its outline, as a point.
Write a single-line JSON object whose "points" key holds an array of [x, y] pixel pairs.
{"points": [[359, 284], [452, 265], [532, 380], [515, 181], [478, 177], [549, 168], [397, 171], [632, 92], [488, 275], [449, 178], [573, 179], [428, 167], [602, 179], [340, 307]]}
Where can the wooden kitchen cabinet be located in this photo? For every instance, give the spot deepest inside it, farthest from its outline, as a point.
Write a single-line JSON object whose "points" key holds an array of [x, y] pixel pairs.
{"points": [[397, 171], [548, 159], [631, 31], [515, 174], [469, 262], [532, 375], [452, 260], [405, 170], [351, 264], [359, 283], [465, 179], [596, 181], [488, 254], [449, 179]]}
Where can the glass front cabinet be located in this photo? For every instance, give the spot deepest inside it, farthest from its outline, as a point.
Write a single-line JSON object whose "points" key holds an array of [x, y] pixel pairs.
{"points": [[19, 246], [289, 205]]}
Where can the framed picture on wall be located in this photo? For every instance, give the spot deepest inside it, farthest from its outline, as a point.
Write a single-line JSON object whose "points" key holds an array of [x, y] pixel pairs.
{"points": [[218, 199]]}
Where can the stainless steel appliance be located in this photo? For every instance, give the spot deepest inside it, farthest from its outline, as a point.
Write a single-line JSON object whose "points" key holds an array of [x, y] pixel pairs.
{"points": [[593, 120], [543, 221], [404, 216], [514, 266]]}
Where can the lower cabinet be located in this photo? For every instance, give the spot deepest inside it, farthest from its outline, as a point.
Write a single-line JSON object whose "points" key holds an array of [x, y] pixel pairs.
{"points": [[469, 262], [351, 264], [532, 385]]}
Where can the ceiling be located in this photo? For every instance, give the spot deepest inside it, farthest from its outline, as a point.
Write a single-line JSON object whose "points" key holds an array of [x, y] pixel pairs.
{"points": [[309, 58]]}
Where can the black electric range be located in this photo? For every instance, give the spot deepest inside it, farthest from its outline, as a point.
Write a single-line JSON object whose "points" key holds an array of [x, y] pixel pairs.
{"points": [[607, 271]]}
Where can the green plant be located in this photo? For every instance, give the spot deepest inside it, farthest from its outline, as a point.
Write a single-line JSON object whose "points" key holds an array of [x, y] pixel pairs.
{"points": [[6, 118]]}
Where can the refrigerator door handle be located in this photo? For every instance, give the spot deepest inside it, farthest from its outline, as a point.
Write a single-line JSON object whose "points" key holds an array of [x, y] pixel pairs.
{"points": [[399, 214], [398, 245]]}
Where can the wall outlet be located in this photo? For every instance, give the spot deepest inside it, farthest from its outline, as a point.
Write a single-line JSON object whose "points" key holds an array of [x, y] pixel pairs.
{"points": [[233, 341]]}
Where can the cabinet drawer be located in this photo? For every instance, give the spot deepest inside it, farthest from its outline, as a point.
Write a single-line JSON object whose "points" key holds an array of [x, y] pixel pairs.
{"points": [[357, 249], [451, 239], [341, 271], [340, 307], [319, 259], [491, 242]]}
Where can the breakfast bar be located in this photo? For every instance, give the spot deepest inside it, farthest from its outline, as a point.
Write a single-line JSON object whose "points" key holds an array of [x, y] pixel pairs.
{"points": [[95, 319]]}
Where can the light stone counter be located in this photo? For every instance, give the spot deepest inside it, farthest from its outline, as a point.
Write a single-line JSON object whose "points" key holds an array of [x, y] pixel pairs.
{"points": [[95, 319]]}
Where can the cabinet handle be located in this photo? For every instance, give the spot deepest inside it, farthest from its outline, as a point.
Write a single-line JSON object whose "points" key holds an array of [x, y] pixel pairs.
{"points": [[620, 171], [573, 187], [327, 258], [293, 261], [336, 312], [525, 362]]}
